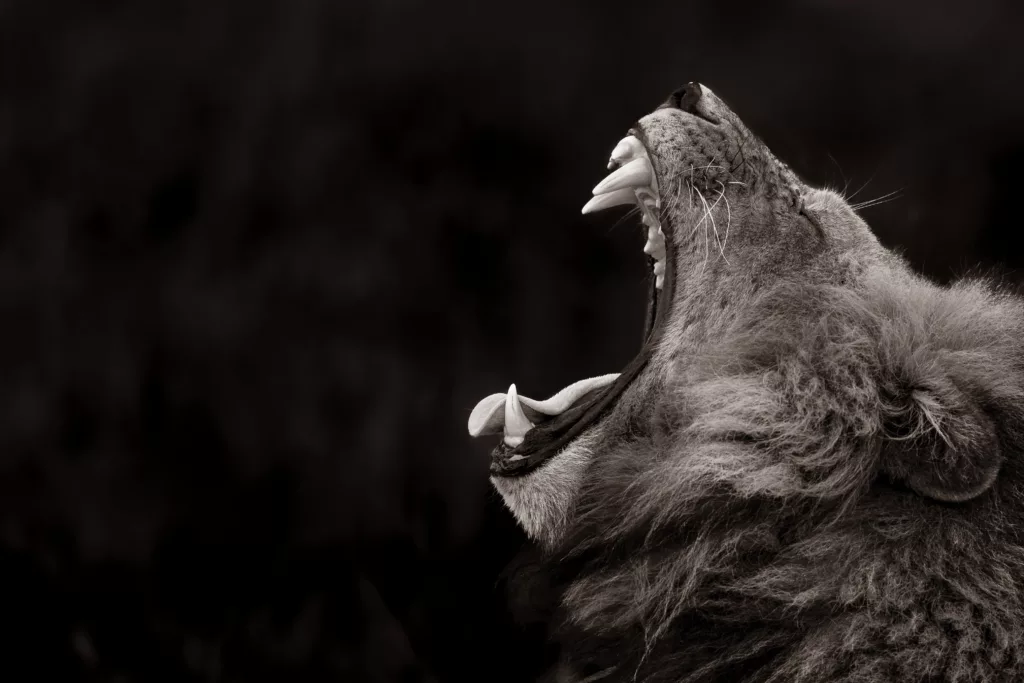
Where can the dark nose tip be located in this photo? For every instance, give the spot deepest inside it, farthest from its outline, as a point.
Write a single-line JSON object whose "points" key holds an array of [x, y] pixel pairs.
{"points": [[686, 97]]}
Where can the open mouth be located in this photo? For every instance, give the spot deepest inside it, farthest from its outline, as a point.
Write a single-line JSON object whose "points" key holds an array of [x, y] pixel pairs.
{"points": [[534, 431]]}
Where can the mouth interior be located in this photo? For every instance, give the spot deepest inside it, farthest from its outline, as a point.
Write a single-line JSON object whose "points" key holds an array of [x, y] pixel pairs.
{"points": [[534, 431]]}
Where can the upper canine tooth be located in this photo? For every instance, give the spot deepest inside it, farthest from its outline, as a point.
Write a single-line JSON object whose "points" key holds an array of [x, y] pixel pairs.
{"points": [[637, 173], [516, 422], [610, 199], [627, 148]]}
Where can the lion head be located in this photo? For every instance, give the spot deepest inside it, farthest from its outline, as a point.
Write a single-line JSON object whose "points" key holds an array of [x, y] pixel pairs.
{"points": [[811, 469]]}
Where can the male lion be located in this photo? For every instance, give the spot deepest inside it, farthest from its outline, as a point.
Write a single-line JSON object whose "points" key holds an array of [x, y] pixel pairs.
{"points": [[812, 470]]}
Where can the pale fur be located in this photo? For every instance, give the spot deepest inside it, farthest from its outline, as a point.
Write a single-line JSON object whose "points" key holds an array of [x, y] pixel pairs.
{"points": [[542, 500]]}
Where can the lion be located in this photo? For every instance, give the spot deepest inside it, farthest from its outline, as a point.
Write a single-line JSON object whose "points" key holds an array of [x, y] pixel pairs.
{"points": [[811, 471]]}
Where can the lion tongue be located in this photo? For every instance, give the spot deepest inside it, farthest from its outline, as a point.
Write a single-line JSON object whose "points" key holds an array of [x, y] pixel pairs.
{"points": [[515, 415]]}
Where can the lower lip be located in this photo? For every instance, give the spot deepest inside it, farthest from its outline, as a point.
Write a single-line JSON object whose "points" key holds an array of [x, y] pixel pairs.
{"points": [[544, 441]]}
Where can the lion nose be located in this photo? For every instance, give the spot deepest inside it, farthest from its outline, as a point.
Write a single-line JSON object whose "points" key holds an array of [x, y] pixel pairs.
{"points": [[685, 98]]}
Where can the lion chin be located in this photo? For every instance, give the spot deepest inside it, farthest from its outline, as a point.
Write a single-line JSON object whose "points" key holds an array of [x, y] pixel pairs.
{"points": [[812, 469]]}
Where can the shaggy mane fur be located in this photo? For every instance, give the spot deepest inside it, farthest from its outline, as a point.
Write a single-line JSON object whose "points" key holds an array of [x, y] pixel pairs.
{"points": [[796, 515]]}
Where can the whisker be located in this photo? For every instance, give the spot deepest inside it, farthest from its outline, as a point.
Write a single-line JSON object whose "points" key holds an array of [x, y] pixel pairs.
{"points": [[707, 213], [691, 186], [709, 166], [860, 207], [895, 194], [866, 183], [677, 198], [629, 214], [704, 169], [728, 221], [714, 226], [846, 181]]}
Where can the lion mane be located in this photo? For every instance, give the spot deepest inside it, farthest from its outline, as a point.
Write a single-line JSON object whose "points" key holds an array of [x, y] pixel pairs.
{"points": [[766, 532]]}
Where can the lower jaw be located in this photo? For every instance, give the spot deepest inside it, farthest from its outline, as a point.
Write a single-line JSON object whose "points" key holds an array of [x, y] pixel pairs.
{"points": [[547, 439]]}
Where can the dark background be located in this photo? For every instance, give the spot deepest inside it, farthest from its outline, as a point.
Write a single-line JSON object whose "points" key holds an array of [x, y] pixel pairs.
{"points": [[260, 258]]}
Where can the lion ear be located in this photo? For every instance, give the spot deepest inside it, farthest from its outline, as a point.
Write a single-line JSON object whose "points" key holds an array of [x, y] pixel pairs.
{"points": [[943, 446]]}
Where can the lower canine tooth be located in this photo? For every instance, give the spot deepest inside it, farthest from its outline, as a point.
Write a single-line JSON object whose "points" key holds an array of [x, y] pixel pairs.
{"points": [[516, 422], [659, 269]]}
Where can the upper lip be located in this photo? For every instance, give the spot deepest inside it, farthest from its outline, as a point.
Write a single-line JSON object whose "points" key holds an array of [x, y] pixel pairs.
{"points": [[638, 132]]}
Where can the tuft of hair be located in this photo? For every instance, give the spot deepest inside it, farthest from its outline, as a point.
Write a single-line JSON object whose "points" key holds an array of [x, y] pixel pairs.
{"points": [[833, 492]]}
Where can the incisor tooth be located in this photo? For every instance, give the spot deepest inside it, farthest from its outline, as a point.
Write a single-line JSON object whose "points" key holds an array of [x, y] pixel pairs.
{"points": [[655, 249], [610, 199], [637, 173], [516, 422], [647, 196], [659, 269], [648, 204], [659, 281]]}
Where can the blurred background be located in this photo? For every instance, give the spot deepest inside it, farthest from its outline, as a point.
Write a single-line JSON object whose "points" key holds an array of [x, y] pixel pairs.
{"points": [[260, 258]]}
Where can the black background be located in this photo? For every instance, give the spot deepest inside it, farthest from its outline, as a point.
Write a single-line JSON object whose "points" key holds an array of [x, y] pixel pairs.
{"points": [[260, 258]]}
